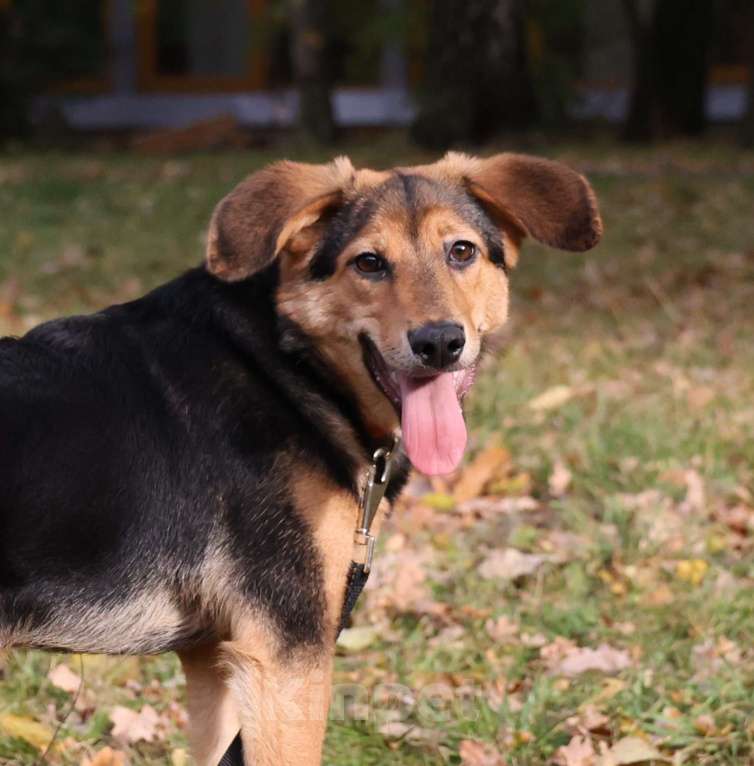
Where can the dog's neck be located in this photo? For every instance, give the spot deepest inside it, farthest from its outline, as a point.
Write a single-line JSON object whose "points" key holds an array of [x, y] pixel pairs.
{"points": [[314, 387]]}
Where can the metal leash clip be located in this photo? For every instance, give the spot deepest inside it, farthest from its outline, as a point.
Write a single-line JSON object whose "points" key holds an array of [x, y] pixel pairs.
{"points": [[377, 482]]}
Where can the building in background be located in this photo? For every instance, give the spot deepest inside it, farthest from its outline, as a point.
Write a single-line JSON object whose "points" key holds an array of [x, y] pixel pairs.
{"points": [[161, 63]]}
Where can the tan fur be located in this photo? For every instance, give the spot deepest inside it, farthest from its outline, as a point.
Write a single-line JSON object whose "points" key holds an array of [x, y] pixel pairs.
{"points": [[115, 630], [245, 226], [542, 198], [279, 701], [282, 212], [213, 720], [332, 515], [282, 700], [334, 311]]}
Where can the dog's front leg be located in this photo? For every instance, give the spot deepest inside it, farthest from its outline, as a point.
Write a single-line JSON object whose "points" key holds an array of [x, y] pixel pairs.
{"points": [[282, 702], [213, 721]]}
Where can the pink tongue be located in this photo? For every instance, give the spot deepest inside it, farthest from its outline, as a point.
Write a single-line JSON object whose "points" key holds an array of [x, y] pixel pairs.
{"points": [[434, 432]]}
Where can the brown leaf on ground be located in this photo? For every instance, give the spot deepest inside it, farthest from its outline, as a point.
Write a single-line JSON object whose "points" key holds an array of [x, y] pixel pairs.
{"points": [[131, 726], [578, 752], [64, 678], [399, 583], [560, 479], [106, 757], [660, 596], [414, 735], [492, 506], [552, 398], [695, 501], [705, 724], [588, 719], [710, 657], [509, 564], [630, 750], [699, 397], [491, 462], [502, 629], [572, 660], [10, 291], [479, 754]]}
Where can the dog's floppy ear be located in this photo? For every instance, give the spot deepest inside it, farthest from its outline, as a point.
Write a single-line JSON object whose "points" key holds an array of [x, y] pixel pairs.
{"points": [[251, 226], [542, 198]]}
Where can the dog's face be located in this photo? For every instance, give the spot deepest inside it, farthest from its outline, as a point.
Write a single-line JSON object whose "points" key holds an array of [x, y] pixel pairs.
{"points": [[397, 277]]}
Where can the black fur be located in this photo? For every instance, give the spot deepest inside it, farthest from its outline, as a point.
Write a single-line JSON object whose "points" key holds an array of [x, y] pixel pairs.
{"points": [[130, 437], [347, 222]]}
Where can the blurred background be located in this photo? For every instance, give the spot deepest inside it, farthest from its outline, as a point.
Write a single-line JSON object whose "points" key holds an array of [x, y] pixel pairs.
{"points": [[450, 71], [580, 593]]}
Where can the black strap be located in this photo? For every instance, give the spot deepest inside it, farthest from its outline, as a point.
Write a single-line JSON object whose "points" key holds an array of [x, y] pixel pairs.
{"points": [[357, 579], [234, 754]]}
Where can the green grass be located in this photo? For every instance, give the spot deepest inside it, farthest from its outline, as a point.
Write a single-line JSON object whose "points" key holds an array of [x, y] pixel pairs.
{"points": [[654, 335]]}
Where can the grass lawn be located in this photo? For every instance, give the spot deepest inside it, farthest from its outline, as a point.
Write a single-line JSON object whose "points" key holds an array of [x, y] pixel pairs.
{"points": [[582, 593]]}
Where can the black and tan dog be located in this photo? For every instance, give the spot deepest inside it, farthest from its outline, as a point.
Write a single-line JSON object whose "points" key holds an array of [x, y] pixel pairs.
{"points": [[183, 472]]}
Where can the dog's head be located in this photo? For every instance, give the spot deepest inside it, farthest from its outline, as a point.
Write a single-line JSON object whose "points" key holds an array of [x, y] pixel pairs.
{"points": [[398, 276]]}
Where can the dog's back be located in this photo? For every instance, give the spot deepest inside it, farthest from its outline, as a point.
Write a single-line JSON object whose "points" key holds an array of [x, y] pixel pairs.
{"points": [[142, 454], [84, 486]]}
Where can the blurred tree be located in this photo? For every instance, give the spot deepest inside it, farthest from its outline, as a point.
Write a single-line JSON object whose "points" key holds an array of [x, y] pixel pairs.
{"points": [[309, 40], [477, 79], [41, 45], [555, 32], [671, 40], [747, 126]]}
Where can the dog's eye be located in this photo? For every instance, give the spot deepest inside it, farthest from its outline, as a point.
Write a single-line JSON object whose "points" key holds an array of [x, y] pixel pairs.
{"points": [[370, 263], [461, 252]]}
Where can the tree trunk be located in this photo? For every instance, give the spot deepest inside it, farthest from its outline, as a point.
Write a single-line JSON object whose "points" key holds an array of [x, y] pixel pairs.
{"points": [[747, 126], [311, 70], [670, 43], [640, 118], [683, 29], [477, 79]]}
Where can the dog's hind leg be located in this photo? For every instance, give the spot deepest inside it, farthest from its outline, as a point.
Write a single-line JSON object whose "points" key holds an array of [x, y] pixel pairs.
{"points": [[213, 721], [283, 704]]}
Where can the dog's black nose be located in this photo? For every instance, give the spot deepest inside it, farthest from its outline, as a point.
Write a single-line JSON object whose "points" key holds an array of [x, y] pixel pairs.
{"points": [[438, 344]]}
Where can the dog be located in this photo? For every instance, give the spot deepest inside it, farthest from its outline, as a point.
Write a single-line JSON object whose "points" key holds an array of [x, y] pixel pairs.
{"points": [[184, 472]]}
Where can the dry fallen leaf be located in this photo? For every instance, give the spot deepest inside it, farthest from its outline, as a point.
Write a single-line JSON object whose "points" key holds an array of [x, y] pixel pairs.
{"points": [[502, 629], [560, 479], [479, 754], [415, 735], [659, 596], [490, 462], [37, 734], [705, 724], [695, 495], [399, 582], [552, 398], [510, 563], [578, 752], [492, 506], [64, 678], [356, 639], [588, 719], [106, 757], [576, 660], [709, 657], [630, 750], [132, 726]]}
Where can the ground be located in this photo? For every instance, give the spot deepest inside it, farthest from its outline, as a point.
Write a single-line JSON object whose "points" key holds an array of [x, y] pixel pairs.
{"points": [[581, 594]]}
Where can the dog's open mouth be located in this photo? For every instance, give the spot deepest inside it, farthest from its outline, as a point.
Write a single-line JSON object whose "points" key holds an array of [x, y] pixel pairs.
{"points": [[434, 432]]}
